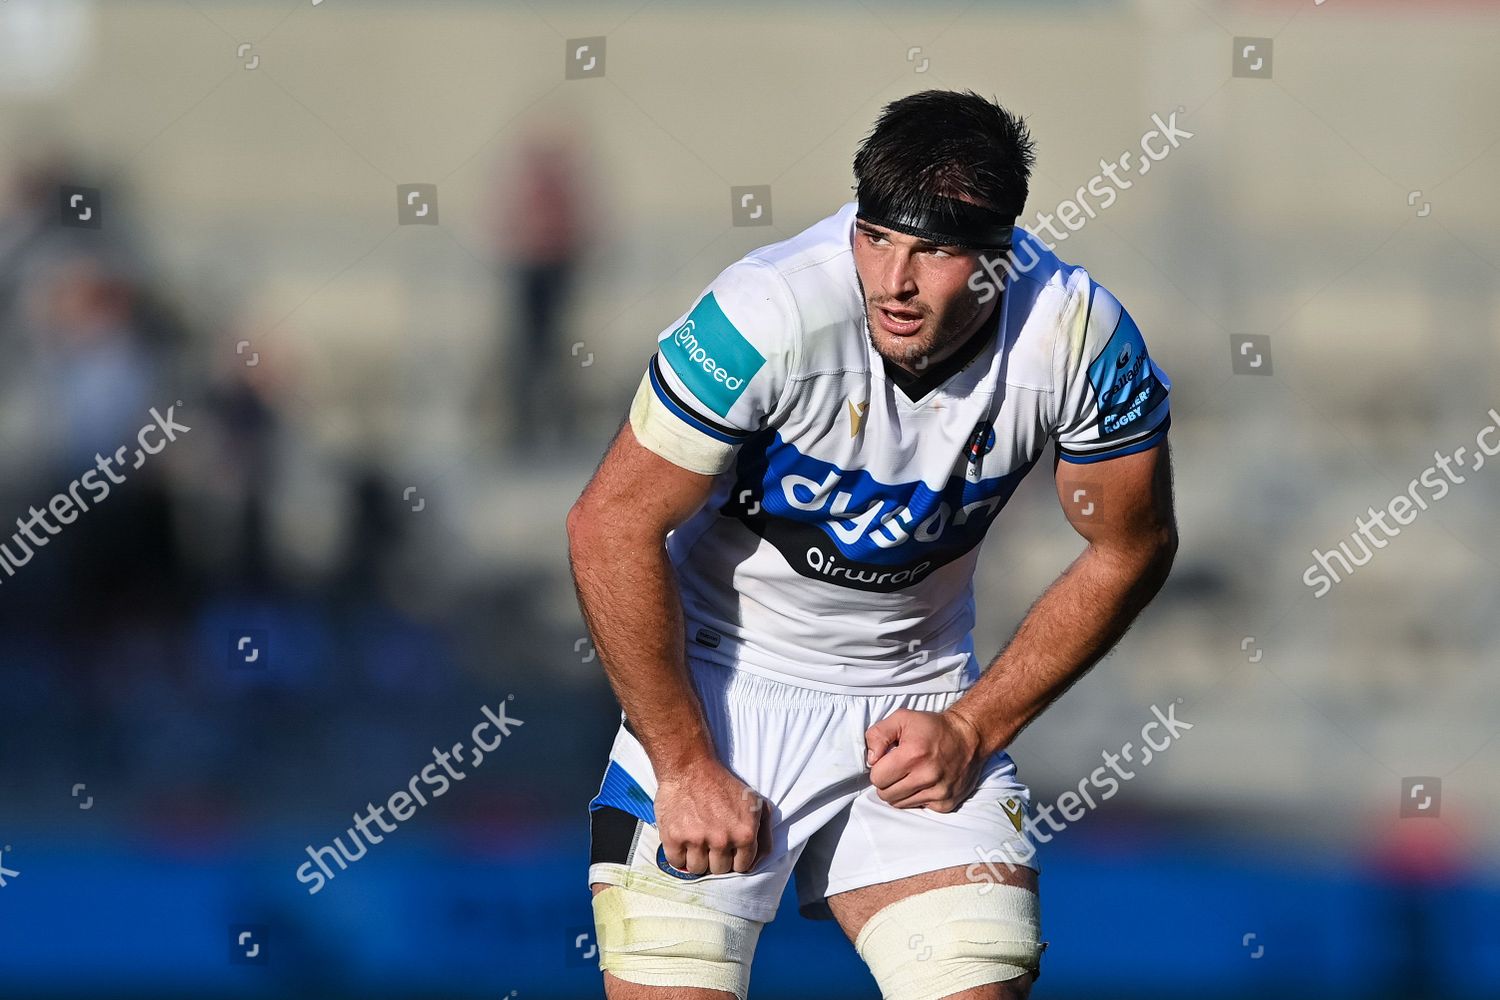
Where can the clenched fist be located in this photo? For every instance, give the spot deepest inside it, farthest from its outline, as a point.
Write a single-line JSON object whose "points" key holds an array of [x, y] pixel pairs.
{"points": [[923, 759], [711, 822]]}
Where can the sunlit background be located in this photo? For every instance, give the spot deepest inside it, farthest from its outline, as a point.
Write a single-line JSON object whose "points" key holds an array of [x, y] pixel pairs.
{"points": [[397, 267]]}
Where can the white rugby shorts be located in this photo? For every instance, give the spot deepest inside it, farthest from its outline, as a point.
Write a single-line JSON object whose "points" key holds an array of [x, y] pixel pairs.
{"points": [[804, 751]]}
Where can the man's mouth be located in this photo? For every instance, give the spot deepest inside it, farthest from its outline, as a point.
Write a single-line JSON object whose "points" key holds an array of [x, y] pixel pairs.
{"points": [[900, 322]]}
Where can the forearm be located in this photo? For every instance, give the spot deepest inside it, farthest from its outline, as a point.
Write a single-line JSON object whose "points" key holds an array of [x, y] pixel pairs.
{"points": [[627, 590], [1079, 618]]}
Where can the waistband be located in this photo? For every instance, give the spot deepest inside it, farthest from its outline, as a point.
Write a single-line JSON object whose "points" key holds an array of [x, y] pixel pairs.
{"points": [[748, 687]]}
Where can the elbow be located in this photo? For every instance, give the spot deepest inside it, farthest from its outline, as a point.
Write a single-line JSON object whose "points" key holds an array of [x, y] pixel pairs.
{"points": [[606, 524], [596, 525], [1160, 553], [579, 525], [1146, 558]]}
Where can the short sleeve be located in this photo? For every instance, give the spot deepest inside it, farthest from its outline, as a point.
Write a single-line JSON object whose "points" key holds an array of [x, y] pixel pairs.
{"points": [[719, 371], [1113, 396]]}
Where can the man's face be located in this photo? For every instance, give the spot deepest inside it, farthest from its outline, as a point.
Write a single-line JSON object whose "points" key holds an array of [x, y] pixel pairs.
{"points": [[918, 303]]}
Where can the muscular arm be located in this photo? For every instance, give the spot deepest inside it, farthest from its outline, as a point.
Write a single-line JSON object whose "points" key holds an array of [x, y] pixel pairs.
{"points": [[1124, 511], [1123, 508], [628, 592], [708, 820]]}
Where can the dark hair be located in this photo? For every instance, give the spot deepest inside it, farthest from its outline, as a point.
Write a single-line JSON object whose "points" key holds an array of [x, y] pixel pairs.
{"points": [[950, 143]]}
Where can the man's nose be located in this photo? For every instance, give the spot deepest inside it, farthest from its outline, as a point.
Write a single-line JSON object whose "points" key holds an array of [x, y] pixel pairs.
{"points": [[896, 279]]}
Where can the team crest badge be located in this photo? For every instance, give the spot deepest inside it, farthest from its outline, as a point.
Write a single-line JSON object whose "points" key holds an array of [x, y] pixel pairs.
{"points": [[981, 443], [666, 866]]}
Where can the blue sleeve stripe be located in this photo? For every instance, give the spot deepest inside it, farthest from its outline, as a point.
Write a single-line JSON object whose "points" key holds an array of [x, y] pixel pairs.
{"points": [[669, 400], [1088, 458]]}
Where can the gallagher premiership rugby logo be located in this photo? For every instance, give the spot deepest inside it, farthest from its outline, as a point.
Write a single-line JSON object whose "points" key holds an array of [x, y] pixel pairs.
{"points": [[1124, 379]]}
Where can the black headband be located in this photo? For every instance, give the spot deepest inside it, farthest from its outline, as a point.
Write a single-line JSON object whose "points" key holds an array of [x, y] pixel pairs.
{"points": [[946, 221]]}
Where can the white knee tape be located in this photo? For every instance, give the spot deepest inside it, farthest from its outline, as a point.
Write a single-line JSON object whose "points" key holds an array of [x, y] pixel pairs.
{"points": [[947, 940], [655, 941]]}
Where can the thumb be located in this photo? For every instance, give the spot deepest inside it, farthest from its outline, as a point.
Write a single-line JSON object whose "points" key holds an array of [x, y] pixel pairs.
{"points": [[763, 834], [881, 737]]}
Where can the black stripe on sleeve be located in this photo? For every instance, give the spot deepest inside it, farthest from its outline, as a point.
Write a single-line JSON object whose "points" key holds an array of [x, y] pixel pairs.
{"points": [[666, 387]]}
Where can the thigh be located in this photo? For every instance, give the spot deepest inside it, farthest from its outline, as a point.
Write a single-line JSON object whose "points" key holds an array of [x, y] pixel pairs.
{"points": [[854, 908], [989, 838], [619, 989], [979, 945], [936, 901]]}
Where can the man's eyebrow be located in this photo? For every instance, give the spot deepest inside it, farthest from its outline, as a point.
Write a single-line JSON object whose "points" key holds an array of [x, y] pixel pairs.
{"points": [[920, 243]]}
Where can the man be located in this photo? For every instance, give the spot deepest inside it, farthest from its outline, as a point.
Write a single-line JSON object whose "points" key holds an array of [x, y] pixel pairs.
{"points": [[775, 560]]}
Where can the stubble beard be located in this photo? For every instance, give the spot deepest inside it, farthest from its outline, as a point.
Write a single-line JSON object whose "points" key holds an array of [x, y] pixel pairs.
{"points": [[909, 351]]}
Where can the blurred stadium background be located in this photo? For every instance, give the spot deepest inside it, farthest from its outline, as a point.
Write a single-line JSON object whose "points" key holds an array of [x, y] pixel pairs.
{"points": [[359, 543]]}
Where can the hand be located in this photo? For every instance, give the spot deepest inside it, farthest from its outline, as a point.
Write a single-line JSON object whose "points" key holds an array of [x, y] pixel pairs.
{"points": [[923, 759], [710, 821]]}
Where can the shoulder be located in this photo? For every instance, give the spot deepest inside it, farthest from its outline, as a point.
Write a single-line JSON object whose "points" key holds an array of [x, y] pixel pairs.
{"points": [[816, 267], [742, 343], [812, 277], [1064, 305], [1047, 307], [795, 278]]}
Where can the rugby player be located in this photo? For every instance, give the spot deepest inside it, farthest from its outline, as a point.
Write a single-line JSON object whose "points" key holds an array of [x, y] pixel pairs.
{"points": [[775, 560]]}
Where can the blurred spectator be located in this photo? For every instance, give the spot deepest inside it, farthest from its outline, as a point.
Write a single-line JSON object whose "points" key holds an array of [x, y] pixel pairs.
{"points": [[94, 365], [539, 234]]}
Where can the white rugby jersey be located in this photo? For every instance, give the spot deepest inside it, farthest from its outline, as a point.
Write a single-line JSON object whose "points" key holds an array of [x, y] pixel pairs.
{"points": [[837, 549]]}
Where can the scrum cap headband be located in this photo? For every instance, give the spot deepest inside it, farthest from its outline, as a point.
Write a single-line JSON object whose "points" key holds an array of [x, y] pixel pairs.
{"points": [[939, 219]]}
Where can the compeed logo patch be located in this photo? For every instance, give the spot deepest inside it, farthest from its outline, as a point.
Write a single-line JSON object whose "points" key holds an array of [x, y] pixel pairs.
{"points": [[713, 359]]}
